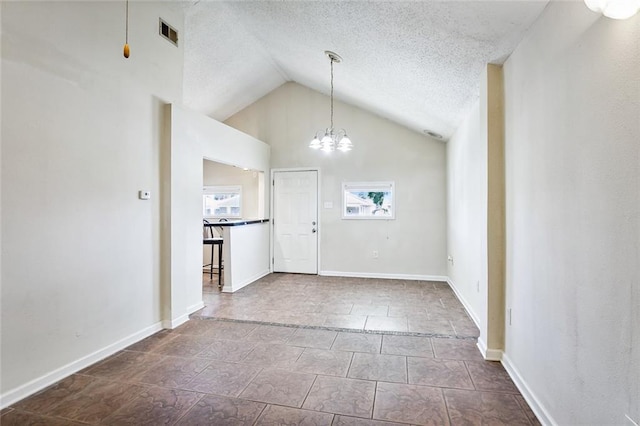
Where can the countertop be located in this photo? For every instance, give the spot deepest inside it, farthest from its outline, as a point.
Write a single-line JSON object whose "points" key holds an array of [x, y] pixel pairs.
{"points": [[238, 222]]}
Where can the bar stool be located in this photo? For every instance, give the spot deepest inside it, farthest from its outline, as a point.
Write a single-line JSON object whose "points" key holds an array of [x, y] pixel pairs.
{"points": [[209, 239]]}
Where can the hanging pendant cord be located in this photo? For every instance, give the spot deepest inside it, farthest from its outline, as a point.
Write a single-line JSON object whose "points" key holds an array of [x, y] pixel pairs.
{"points": [[126, 34], [332, 94]]}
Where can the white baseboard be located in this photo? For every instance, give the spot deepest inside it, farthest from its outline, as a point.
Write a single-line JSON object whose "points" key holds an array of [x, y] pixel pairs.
{"points": [[177, 322], [14, 395], [493, 355], [237, 286], [465, 304], [411, 277], [543, 415], [191, 309], [174, 323], [489, 354]]}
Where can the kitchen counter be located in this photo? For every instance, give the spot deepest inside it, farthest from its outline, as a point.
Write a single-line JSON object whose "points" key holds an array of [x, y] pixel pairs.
{"points": [[245, 251], [238, 222]]}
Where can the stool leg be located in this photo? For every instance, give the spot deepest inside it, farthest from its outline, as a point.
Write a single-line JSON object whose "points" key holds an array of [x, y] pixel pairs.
{"points": [[219, 265], [211, 266]]}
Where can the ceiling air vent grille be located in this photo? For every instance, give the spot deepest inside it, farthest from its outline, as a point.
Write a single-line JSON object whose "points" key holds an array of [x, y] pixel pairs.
{"points": [[168, 32]]}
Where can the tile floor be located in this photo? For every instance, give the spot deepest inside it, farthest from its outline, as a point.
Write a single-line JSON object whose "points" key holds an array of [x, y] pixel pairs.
{"points": [[343, 304], [227, 372]]}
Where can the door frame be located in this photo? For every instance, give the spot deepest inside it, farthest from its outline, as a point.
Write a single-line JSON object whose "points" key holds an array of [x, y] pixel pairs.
{"points": [[272, 205]]}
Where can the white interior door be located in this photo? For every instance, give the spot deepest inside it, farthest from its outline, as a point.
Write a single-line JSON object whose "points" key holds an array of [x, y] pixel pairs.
{"points": [[295, 215]]}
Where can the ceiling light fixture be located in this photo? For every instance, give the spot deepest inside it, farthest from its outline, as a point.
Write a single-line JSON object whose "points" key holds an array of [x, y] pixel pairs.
{"points": [[614, 9], [329, 140]]}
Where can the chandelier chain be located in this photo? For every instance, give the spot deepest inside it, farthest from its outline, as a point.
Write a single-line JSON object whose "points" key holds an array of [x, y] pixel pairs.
{"points": [[332, 60]]}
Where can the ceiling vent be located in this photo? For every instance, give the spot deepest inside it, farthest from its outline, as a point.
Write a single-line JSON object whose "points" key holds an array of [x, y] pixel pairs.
{"points": [[433, 134], [168, 32]]}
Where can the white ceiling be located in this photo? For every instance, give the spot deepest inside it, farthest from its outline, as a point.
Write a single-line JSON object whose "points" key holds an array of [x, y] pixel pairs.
{"points": [[417, 63]]}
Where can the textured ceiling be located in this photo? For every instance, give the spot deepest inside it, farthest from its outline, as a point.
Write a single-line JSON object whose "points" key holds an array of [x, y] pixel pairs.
{"points": [[417, 63]]}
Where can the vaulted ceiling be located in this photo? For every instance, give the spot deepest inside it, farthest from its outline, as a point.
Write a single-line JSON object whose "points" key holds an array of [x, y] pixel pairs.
{"points": [[417, 63]]}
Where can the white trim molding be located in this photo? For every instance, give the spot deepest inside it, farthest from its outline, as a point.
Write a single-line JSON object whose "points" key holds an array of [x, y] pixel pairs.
{"points": [[489, 354], [630, 421], [195, 307], [175, 323], [411, 277], [538, 409], [465, 304], [228, 289], [14, 395], [170, 324]]}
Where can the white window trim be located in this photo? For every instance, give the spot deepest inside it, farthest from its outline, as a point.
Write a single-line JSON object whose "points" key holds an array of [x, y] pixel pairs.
{"points": [[386, 186], [222, 189]]}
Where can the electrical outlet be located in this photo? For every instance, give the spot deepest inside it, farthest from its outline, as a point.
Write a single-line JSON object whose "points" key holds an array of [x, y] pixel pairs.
{"points": [[375, 254]]}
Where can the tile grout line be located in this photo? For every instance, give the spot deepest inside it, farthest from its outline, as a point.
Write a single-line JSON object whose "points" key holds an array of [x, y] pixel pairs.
{"points": [[353, 354], [521, 408], [309, 391], [406, 364], [248, 383], [446, 405], [202, 395], [255, 422], [470, 376], [375, 395], [333, 341]]}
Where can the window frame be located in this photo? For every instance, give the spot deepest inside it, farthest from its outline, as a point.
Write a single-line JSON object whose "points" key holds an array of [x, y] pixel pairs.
{"points": [[222, 189], [375, 186]]}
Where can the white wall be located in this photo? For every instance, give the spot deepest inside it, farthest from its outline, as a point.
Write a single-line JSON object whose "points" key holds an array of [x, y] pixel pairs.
{"points": [[572, 95], [413, 245], [467, 212], [246, 253], [475, 209], [81, 134], [194, 137], [218, 174]]}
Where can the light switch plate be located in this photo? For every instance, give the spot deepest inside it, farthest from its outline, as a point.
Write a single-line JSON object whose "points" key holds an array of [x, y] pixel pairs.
{"points": [[144, 195]]}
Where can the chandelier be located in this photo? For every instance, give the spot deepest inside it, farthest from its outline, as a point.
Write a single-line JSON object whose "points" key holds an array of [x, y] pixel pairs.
{"points": [[615, 9], [329, 140]]}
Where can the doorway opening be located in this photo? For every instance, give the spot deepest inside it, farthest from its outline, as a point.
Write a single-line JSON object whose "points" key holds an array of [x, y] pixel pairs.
{"points": [[228, 193]]}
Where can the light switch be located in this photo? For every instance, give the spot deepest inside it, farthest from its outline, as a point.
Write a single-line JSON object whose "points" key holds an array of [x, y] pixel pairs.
{"points": [[144, 195], [328, 204]]}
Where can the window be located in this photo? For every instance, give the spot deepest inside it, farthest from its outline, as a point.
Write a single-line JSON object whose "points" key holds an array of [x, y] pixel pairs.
{"points": [[368, 200], [222, 201]]}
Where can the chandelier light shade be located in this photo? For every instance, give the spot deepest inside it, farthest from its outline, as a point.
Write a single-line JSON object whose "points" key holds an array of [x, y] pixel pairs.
{"points": [[615, 9], [329, 140]]}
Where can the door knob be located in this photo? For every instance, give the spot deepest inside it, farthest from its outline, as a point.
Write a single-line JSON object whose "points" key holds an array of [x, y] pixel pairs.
{"points": [[314, 230], [313, 223]]}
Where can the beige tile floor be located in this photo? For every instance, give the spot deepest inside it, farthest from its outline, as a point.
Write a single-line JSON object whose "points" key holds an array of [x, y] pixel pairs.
{"points": [[227, 372]]}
